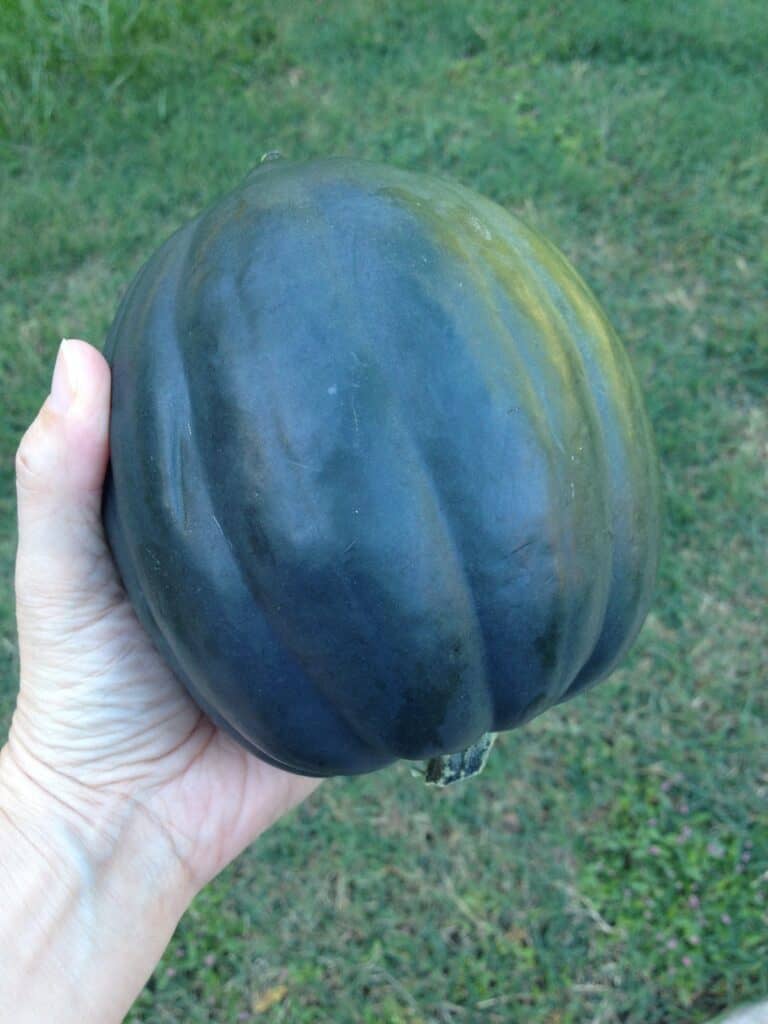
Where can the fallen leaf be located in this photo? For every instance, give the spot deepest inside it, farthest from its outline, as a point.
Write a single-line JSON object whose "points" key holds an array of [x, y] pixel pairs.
{"points": [[269, 998]]}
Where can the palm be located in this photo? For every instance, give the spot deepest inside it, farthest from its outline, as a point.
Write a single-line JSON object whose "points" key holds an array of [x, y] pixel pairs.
{"points": [[108, 714]]}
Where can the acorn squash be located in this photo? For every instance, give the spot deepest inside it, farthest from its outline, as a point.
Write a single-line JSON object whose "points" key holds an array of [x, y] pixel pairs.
{"points": [[381, 480]]}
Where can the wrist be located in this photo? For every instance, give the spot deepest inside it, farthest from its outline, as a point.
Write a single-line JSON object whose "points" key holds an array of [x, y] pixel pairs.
{"points": [[91, 892]]}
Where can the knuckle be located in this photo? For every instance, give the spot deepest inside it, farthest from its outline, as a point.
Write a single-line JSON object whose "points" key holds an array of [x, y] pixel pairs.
{"points": [[28, 465]]}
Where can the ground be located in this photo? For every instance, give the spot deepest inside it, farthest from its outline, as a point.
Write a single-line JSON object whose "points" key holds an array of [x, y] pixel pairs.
{"points": [[611, 865]]}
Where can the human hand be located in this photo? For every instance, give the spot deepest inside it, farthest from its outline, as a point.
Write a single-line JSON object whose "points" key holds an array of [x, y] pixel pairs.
{"points": [[104, 741]]}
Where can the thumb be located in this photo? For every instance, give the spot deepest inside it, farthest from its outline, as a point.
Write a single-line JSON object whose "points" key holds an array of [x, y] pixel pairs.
{"points": [[60, 468]]}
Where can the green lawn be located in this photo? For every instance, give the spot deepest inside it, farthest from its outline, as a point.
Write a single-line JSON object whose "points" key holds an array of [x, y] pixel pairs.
{"points": [[612, 863]]}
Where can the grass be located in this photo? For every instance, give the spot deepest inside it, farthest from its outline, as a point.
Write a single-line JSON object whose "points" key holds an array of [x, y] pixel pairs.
{"points": [[612, 864]]}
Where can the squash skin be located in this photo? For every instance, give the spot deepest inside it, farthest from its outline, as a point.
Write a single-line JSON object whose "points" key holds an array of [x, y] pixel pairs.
{"points": [[381, 479]]}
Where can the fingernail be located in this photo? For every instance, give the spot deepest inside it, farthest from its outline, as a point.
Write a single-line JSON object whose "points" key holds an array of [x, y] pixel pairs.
{"points": [[63, 384]]}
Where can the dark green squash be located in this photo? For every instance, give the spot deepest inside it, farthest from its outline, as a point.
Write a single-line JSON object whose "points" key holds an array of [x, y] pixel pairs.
{"points": [[381, 479]]}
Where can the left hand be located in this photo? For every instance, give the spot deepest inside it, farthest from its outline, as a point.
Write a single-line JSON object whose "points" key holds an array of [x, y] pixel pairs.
{"points": [[103, 733]]}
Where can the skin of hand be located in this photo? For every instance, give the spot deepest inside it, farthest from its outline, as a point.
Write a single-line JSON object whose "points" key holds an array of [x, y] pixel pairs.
{"points": [[106, 750]]}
